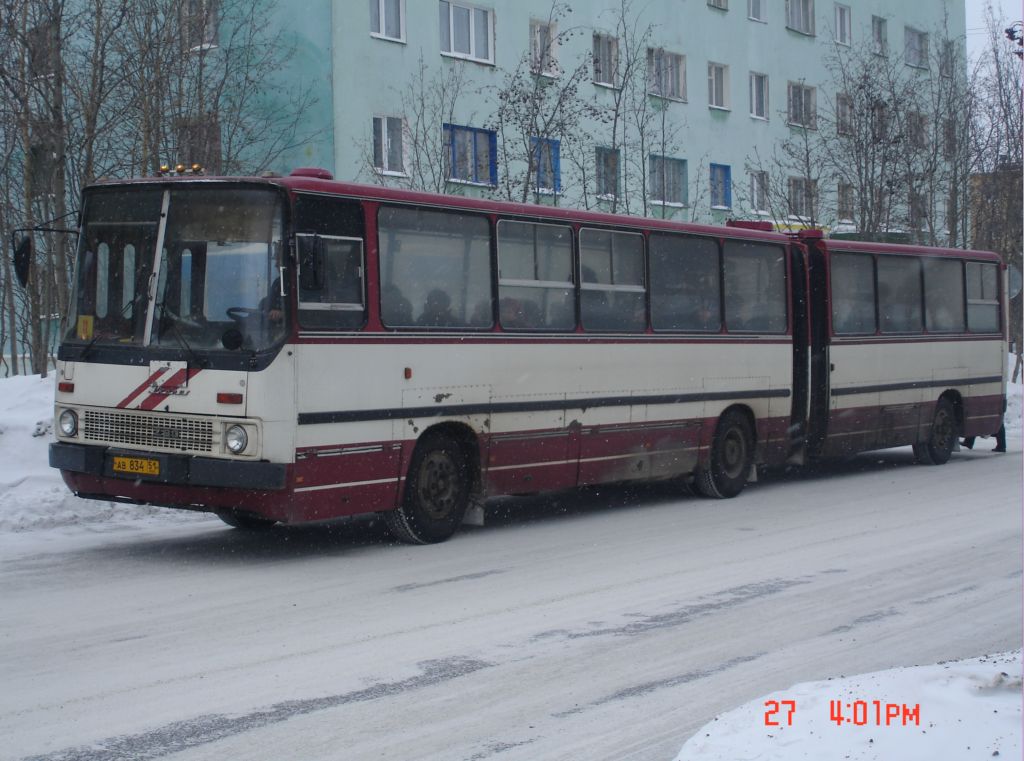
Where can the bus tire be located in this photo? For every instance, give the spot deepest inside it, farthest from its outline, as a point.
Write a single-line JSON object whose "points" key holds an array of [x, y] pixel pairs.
{"points": [[245, 521], [942, 436], [436, 493], [732, 454]]}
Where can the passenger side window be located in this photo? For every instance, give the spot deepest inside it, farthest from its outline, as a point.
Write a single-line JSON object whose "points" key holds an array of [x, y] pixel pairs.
{"points": [[330, 282], [612, 293], [535, 288], [853, 293], [899, 294], [982, 297], [943, 295], [755, 288], [685, 293], [331, 267], [435, 269]]}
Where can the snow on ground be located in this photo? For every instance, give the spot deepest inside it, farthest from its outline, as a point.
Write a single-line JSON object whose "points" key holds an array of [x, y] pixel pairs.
{"points": [[963, 710], [968, 709]]}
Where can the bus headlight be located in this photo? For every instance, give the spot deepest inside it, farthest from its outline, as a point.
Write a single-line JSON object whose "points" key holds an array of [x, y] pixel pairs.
{"points": [[236, 439], [68, 422]]}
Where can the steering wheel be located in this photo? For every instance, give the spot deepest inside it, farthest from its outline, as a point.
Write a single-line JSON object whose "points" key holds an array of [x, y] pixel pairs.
{"points": [[240, 314]]}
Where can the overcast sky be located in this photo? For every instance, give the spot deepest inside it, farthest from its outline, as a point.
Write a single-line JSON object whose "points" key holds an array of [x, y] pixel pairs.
{"points": [[1009, 10]]}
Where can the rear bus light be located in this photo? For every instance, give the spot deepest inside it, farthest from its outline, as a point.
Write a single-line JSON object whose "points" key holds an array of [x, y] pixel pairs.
{"points": [[66, 387], [223, 398]]}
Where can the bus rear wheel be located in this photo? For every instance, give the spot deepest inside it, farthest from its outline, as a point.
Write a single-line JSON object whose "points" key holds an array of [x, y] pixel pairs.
{"points": [[245, 521], [732, 454], [436, 493], [942, 436]]}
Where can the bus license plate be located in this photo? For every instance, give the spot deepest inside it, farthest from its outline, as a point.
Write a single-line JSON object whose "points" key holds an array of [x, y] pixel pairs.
{"points": [[141, 466]]}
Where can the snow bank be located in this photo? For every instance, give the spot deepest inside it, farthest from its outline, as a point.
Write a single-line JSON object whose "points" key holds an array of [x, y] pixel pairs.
{"points": [[32, 494], [966, 709]]}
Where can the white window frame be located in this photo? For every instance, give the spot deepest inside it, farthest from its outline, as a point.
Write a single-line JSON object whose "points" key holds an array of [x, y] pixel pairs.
{"points": [[805, 190], [718, 71], [844, 114], [800, 16], [606, 74], [661, 61], [385, 146], [544, 62], [879, 35], [722, 5], [844, 24], [379, 33], [759, 191], [601, 173], [680, 168], [809, 114], [843, 189], [473, 46], [915, 47], [755, 78], [755, 10]]}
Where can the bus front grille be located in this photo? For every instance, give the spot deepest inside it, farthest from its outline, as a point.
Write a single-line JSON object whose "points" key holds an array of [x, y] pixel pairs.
{"points": [[180, 434]]}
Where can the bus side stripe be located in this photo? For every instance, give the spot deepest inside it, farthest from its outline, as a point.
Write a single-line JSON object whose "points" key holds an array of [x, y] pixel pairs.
{"points": [[395, 413], [915, 384]]}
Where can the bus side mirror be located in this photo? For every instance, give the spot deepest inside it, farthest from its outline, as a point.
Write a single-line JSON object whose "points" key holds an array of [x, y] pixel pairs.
{"points": [[310, 263], [22, 259]]}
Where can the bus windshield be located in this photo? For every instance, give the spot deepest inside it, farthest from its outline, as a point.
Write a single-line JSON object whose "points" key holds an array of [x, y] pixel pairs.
{"points": [[216, 280]]}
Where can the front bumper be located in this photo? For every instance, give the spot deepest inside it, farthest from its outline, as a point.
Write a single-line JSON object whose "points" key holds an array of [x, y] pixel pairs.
{"points": [[175, 469]]}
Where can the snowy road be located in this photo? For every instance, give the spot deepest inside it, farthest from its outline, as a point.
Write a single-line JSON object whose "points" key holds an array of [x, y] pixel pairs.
{"points": [[604, 625]]}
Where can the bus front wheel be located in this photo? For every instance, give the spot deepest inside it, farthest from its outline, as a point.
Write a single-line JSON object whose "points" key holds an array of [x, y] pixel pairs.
{"points": [[942, 436], [436, 493], [732, 453]]}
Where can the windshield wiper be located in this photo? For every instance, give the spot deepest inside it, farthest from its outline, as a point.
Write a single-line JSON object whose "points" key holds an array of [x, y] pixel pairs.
{"points": [[197, 358]]}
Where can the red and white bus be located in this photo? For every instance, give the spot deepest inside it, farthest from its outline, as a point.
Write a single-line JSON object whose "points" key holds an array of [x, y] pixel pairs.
{"points": [[296, 349]]}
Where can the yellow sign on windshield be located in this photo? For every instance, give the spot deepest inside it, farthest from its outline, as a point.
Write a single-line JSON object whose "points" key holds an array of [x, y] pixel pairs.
{"points": [[84, 326]]}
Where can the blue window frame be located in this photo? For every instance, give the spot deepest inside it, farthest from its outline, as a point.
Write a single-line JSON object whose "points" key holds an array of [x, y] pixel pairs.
{"points": [[471, 154], [547, 166], [721, 186]]}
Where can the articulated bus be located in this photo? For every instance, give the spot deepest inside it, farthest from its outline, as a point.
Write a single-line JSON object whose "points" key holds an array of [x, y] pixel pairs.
{"points": [[289, 349]]}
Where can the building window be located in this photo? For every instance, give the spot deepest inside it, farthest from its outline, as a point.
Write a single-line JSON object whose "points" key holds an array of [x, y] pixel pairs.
{"points": [[201, 23], [466, 31], [543, 48], [718, 85], [802, 105], [917, 129], [802, 192], [720, 4], [915, 47], [844, 114], [607, 172], [800, 16], [758, 95], [917, 206], [387, 144], [547, 164], [879, 36], [471, 154], [846, 206], [879, 122], [844, 32], [666, 74], [606, 59], [949, 138], [759, 192], [199, 142], [667, 179], [755, 10], [387, 19], [721, 186], [947, 59]]}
